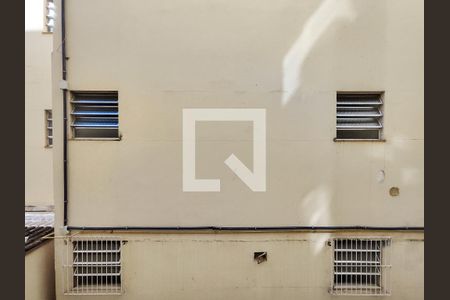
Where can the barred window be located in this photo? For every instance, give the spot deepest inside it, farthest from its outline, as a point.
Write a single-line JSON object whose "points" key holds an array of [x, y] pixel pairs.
{"points": [[93, 266], [95, 115], [48, 128], [359, 116], [361, 266]]}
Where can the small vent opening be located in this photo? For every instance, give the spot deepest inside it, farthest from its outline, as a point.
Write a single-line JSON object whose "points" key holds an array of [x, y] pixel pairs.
{"points": [[48, 128], [95, 115], [50, 15], [359, 116], [260, 257]]}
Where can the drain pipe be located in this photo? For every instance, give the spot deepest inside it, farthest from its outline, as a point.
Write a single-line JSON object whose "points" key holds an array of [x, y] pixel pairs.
{"points": [[64, 78], [246, 228]]}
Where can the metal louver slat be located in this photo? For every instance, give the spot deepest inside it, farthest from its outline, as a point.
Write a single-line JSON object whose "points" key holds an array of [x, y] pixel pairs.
{"points": [[95, 113], [358, 112], [358, 125], [95, 110], [96, 124], [94, 101], [360, 102]]}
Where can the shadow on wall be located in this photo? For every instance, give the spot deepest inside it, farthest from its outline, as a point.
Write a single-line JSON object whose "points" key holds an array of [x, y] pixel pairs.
{"points": [[328, 14], [331, 16]]}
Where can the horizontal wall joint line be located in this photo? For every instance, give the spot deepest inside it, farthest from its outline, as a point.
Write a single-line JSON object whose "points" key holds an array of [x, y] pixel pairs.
{"points": [[244, 228]]}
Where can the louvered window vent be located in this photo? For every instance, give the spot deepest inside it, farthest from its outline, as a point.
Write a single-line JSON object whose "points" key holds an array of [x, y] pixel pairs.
{"points": [[93, 266], [48, 128], [359, 116], [50, 16], [95, 115], [361, 266]]}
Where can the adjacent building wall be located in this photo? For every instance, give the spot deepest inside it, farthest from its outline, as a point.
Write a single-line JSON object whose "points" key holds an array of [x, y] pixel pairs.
{"points": [[40, 273], [38, 98], [289, 57]]}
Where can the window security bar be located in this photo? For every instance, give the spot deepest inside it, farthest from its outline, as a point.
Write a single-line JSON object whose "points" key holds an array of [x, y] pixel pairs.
{"points": [[92, 266], [361, 266]]}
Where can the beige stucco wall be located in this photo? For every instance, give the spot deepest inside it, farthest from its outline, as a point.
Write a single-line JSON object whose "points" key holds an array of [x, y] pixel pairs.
{"points": [[289, 57], [166, 56], [40, 273], [221, 266], [38, 98]]}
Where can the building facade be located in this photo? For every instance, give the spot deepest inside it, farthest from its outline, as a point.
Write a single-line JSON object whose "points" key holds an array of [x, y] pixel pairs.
{"points": [[38, 104], [334, 204]]}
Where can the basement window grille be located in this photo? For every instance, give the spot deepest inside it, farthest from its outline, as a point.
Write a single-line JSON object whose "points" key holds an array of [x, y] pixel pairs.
{"points": [[95, 115], [49, 18], [48, 128], [93, 266], [361, 266], [359, 116]]}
